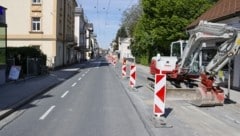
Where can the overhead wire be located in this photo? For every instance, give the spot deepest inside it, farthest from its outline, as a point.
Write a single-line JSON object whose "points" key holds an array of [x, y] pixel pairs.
{"points": [[98, 16], [103, 28], [106, 17]]}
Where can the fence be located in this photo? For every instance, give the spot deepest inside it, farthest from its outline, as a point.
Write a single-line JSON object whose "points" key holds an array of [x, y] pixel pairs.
{"points": [[30, 67]]}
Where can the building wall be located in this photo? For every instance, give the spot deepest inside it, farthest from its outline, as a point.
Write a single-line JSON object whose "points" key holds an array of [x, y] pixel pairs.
{"points": [[16, 10], [80, 29], [19, 25], [77, 29], [51, 37], [124, 48]]}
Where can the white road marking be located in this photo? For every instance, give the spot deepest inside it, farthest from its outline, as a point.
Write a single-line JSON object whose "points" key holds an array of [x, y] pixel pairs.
{"points": [[74, 84], [79, 78], [65, 94], [83, 75], [86, 72], [232, 119], [47, 112]]}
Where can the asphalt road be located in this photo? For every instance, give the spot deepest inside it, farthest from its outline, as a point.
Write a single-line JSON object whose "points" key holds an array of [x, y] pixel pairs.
{"points": [[91, 103], [98, 102]]}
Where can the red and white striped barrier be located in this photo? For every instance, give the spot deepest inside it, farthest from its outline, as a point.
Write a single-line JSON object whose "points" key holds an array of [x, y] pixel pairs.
{"points": [[114, 62], [159, 95], [124, 70], [132, 75]]}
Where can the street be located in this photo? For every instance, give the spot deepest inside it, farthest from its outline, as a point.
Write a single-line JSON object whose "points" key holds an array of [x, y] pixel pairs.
{"points": [[91, 103], [97, 101]]}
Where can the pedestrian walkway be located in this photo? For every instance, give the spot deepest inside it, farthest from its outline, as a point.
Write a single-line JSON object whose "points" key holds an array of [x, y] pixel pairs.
{"points": [[177, 112], [15, 94]]}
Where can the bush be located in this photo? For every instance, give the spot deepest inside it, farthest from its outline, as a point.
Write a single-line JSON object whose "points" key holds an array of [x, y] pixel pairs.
{"points": [[2, 56], [144, 60], [25, 52]]}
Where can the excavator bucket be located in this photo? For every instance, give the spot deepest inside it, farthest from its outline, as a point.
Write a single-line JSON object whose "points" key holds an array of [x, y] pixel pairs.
{"points": [[173, 93], [207, 98], [180, 93], [196, 96]]}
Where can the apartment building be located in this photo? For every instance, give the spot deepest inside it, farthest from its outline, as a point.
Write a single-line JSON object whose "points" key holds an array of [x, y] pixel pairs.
{"points": [[80, 33], [44, 24]]}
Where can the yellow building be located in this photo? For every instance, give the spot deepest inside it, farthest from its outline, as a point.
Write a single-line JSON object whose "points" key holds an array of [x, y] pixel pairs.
{"points": [[44, 24]]}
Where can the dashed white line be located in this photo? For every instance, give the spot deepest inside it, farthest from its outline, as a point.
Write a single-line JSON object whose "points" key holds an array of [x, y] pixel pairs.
{"points": [[64, 94], [47, 112], [79, 78], [74, 84], [83, 75]]}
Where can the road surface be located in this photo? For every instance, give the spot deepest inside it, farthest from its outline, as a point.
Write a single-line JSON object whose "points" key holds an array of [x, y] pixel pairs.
{"points": [[91, 103]]}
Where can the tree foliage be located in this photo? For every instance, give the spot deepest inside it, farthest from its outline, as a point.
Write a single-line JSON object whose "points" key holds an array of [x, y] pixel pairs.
{"points": [[162, 22], [129, 20]]}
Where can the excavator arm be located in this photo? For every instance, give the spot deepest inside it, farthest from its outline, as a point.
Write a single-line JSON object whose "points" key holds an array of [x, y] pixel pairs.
{"points": [[225, 52], [208, 92], [204, 32]]}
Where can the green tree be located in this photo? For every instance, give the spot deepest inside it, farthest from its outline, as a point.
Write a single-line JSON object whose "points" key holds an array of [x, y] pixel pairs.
{"points": [[162, 22]]}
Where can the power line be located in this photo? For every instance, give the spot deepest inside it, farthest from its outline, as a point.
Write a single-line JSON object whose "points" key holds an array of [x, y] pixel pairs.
{"points": [[106, 17]]}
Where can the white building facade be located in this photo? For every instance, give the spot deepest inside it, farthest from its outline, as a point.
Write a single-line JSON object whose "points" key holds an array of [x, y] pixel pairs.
{"points": [[124, 48], [80, 33]]}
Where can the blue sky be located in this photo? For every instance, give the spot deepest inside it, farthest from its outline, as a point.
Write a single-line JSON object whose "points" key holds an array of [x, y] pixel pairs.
{"points": [[106, 17]]}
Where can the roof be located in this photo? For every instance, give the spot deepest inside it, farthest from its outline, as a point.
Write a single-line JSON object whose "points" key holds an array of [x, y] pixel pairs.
{"points": [[223, 9]]}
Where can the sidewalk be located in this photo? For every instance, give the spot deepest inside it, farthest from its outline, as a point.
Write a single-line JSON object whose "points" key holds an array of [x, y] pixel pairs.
{"points": [[178, 113], [16, 94]]}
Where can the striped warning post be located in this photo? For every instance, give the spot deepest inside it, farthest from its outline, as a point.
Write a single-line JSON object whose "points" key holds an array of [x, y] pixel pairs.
{"points": [[124, 69], [159, 95], [114, 62], [132, 75]]}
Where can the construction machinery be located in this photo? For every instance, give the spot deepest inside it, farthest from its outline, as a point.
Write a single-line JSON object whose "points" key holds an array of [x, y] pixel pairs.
{"points": [[208, 92], [168, 63]]}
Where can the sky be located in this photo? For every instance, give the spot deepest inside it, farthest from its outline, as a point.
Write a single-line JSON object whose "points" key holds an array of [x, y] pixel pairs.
{"points": [[106, 17]]}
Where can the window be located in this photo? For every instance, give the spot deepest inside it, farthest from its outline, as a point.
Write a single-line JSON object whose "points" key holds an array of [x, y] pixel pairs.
{"points": [[176, 49], [36, 24], [36, 1]]}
